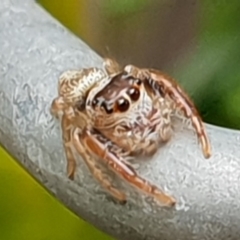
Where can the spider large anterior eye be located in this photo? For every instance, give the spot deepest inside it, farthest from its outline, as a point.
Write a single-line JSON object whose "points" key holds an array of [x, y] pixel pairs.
{"points": [[134, 94], [122, 104]]}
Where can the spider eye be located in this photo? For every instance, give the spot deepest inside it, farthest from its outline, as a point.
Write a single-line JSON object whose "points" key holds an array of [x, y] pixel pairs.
{"points": [[80, 105], [94, 102], [122, 104], [138, 81], [134, 94]]}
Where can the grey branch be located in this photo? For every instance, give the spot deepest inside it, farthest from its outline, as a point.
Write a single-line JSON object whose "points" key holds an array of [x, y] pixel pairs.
{"points": [[35, 50]]}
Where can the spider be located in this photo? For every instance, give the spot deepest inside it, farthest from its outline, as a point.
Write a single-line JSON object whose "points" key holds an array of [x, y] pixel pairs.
{"points": [[113, 114]]}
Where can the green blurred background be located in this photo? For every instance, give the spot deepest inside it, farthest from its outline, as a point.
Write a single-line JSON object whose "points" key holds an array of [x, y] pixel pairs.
{"points": [[197, 42]]}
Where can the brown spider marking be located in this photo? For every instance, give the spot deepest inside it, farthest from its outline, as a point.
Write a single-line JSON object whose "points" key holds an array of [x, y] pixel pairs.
{"points": [[113, 115]]}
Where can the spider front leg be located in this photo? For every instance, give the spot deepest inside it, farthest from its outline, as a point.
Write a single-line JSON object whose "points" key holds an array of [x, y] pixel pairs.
{"points": [[182, 102], [94, 168], [112, 155], [159, 84]]}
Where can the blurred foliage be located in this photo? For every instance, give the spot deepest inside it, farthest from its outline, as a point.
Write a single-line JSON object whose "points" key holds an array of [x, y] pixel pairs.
{"points": [[66, 11], [28, 211], [210, 73], [123, 7]]}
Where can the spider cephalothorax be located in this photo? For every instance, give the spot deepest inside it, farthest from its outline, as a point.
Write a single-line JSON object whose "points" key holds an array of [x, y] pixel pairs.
{"points": [[110, 115]]}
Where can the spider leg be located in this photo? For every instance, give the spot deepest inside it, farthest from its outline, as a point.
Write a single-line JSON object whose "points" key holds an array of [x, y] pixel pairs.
{"points": [[163, 86], [111, 66], [169, 87], [57, 106], [70, 137], [94, 168], [67, 130], [111, 155]]}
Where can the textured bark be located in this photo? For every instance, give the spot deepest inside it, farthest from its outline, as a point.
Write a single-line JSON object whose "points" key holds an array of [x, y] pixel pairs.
{"points": [[35, 50]]}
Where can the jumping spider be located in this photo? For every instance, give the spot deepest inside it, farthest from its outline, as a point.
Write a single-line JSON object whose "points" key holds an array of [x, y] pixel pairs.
{"points": [[112, 114]]}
